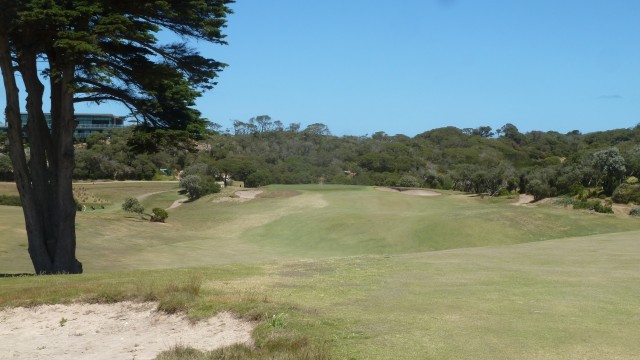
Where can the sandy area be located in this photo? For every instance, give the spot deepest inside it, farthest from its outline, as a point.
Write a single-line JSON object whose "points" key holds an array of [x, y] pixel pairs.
{"points": [[176, 203], [420, 193], [386, 189], [110, 331], [240, 196], [414, 192], [523, 200]]}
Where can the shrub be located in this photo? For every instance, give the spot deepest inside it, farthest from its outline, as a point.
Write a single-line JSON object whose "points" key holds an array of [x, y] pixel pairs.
{"points": [[564, 201], [10, 200], [594, 205], [626, 193], [192, 185], [133, 205], [539, 189], [635, 212], [576, 189], [259, 178], [631, 180], [197, 186], [159, 215], [408, 181]]}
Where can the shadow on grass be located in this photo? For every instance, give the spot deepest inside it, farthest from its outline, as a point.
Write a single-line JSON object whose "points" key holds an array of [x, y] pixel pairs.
{"points": [[16, 275]]}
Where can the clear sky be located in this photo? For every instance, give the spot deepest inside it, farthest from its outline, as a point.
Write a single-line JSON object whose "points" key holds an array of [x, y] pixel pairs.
{"points": [[407, 66]]}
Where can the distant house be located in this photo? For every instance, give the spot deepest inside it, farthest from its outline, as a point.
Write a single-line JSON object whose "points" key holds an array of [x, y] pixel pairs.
{"points": [[86, 123]]}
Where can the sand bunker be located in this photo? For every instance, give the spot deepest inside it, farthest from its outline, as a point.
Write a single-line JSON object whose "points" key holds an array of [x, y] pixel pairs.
{"points": [[240, 196], [420, 192], [414, 192], [523, 200], [110, 331]]}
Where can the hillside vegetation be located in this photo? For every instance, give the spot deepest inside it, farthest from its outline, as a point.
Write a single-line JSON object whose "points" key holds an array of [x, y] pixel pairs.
{"points": [[261, 152]]}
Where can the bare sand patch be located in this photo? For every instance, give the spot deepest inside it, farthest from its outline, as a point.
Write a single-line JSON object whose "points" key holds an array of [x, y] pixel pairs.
{"points": [[248, 194], [176, 203], [420, 192], [240, 196], [386, 189], [123, 330], [523, 200], [413, 192]]}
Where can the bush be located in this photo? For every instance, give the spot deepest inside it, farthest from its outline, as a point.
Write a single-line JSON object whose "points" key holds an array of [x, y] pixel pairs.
{"points": [[408, 181], [539, 189], [159, 215], [197, 186], [635, 212], [594, 205], [564, 201], [504, 192], [631, 180], [10, 200], [258, 178], [133, 205], [626, 193]]}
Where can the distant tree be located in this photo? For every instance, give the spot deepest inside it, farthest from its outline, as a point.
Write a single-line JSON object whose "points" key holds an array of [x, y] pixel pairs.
{"points": [[197, 186], [278, 126], [318, 129], [483, 131], [6, 169], [263, 123], [192, 184], [611, 166], [293, 127], [133, 205], [511, 132], [258, 178], [408, 181], [539, 189], [632, 161]]}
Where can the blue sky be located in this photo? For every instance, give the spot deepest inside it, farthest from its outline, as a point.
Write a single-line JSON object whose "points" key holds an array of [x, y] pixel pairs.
{"points": [[407, 66]]}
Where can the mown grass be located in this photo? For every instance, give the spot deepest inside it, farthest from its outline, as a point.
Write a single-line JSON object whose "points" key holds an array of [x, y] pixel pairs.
{"points": [[572, 299], [360, 274]]}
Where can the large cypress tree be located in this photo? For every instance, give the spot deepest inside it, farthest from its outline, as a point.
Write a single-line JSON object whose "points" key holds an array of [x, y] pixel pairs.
{"points": [[93, 50]]}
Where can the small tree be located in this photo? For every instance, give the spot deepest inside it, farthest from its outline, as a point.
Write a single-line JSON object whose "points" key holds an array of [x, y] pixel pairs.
{"points": [[611, 167], [132, 205], [192, 185], [408, 181], [159, 215], [539, 189]]}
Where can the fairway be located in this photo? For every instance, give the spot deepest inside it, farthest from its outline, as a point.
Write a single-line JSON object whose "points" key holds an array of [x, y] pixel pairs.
{"points": [[367, 274]]}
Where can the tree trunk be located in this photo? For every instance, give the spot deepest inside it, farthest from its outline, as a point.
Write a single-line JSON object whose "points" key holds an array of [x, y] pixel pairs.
{"points": [[44, 180]]}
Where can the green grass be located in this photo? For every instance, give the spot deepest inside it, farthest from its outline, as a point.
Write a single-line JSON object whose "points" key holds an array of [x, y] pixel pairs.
{"points": [[355, 273]]}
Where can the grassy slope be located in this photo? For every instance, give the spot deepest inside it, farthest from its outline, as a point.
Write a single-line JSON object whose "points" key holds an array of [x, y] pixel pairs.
{"points": [[572, 298], [296, 222]]}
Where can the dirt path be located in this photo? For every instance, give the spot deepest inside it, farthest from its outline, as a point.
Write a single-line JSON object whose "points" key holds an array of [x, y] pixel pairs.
{"points": [[176, 203], [146, 195], [110, 331]]}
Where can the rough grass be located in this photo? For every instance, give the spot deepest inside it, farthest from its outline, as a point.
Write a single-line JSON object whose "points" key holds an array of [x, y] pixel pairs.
{"points": [[358, 276], [319, 221], [573, 298]]}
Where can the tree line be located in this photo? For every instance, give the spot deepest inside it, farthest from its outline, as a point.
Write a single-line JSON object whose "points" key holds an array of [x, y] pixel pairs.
{"points": [[479, 160]]}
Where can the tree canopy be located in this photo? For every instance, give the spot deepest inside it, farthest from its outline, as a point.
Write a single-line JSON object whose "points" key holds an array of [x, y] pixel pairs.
{"points": [[94, 51]]}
